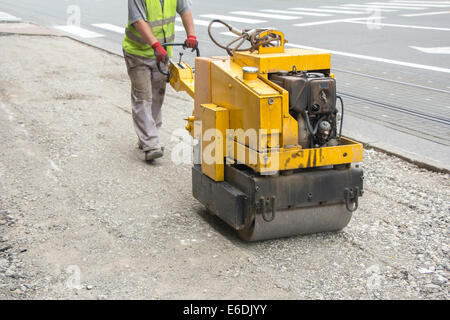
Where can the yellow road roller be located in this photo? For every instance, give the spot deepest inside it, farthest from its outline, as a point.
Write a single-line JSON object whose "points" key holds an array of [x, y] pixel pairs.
{"points": [[270, 159]]}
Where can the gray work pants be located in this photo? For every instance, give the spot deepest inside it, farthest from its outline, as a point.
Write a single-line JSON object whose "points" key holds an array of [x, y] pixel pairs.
{"points": [[148, 87]]}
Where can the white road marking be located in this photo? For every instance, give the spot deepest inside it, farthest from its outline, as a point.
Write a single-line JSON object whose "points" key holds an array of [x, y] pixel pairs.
{"points": [[265, 15], [8, 17], [371, 58], [403, 26], [231, 18], [381, 10], [430, 5], [80, 32], [307, 24], [205, 23], [419, 2], [110, 27], [436, 50], [411, 1], [328, 10], [228, 33], [313, 14], [178, 28], [360, 6], [425, 14]]}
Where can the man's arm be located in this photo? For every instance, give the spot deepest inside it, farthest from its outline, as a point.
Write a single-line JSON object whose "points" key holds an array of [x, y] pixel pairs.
{"points": [[188, 23], [145, 31]]}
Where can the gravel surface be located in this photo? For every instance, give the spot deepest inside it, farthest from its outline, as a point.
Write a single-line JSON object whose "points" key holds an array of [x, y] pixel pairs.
{"points": [[83, 217]]}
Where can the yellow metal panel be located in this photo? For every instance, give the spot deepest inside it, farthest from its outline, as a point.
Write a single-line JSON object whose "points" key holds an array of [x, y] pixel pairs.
{"points": [[182, 79], [214, 124], [275, 49], [302, 59], [296, 158]]}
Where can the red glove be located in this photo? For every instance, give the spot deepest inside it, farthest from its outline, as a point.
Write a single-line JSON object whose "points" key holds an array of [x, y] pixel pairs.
{"points": [[191, 42], [160, 52]]}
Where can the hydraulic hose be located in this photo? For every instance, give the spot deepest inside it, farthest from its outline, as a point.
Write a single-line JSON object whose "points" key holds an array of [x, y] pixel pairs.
{"points": [[342, 115], [312, 131], [251, 35]]}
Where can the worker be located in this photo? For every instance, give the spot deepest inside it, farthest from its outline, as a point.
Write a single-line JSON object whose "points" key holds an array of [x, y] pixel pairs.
{"points": [[150, 23]]}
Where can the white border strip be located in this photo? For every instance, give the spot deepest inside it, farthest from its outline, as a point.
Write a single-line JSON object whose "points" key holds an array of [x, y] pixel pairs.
{"points": [[110, 27], [79, 32]]}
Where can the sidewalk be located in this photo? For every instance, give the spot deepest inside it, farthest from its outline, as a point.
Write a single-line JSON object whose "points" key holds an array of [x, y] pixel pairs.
{"points": [[83, 216]]}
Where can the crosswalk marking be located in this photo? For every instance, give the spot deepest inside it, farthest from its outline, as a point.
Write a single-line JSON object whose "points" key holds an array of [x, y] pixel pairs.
{"points": [[425, 14], [228, 33], [354, 6], [110, 27], [265, 15], [412, 1], [205, 23], [331, 21], [313, 14], [436, 50], [80, 32], [8, 17], [231, 18], [178, 28], [381, 10], [425, 2], [402, 26], [430, 5], [329, 10]]}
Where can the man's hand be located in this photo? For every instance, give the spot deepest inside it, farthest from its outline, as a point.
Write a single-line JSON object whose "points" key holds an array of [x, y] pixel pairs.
{"points": [[191, 42], [160, 52]]}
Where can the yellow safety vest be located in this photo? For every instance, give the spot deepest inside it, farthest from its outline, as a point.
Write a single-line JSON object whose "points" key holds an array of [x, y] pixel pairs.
{"points": [[162, 23]]}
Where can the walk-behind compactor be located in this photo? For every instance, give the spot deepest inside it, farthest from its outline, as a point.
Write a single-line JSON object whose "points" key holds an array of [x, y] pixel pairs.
{"points": [[270, 160]]}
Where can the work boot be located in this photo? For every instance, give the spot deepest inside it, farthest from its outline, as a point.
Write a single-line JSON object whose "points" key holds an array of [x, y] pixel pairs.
{"points": [[154, 154], [140, 146]]}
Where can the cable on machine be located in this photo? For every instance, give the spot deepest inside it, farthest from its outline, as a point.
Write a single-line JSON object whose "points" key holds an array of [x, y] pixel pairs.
{"points": [[251, 35]]}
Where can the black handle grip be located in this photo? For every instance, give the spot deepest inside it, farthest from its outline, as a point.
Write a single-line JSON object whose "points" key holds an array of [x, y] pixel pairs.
{"points": [[158, 64]]}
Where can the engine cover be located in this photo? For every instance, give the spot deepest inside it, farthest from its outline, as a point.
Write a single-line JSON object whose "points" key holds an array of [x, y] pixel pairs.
{"points": [[311, 91]]}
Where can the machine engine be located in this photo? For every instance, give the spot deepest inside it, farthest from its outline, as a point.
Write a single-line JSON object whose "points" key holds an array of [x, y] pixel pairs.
{"points": [[312, 102]]}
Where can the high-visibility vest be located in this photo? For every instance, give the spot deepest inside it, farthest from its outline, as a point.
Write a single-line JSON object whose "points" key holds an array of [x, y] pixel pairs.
{"points": [[162, 23]]}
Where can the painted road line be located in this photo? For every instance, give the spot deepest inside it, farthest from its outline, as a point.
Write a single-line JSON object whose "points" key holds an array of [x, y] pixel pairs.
{"points": [[205, 23], [425, 14], [79, 32], [307, 24], [328, 10], [412, 1], [402, 26], [436, 50], [371, 58], [313, 14], [265, 15], [110, 27], [228, 33], [360, 6], [412, 4], [8, 17], [179, 28], [335, 7], [232, 18], [423, 2]]}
